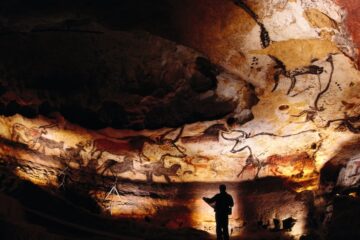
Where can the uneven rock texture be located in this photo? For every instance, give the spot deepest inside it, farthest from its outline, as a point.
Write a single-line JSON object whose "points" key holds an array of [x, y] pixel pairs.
{"points": [[227, 33], [115, 79], [352, 20], [268, 102]]}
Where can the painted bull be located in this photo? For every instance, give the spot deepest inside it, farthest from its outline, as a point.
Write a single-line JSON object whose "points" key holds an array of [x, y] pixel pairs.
{"points": [[262, 146]]}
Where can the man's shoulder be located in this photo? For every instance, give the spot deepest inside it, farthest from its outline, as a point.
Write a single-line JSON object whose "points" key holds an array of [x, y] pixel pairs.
{"points": [[228, 195]]}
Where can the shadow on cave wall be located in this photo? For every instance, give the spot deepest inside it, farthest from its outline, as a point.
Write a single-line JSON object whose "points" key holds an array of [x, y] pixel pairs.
{"points": [[154, 16], [249, 193], [65, 202], [70, 212], [340, 211], [330, 171], [254, 196], [96, 89], [38, 213], [250, 196]]}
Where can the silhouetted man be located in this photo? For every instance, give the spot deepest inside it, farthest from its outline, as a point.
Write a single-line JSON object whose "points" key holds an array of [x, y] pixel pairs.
{"points": [[223, 204]]}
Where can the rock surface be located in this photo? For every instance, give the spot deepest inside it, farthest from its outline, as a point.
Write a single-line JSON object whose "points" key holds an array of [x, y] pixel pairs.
{"points": [[114, 79], [145, 126]]}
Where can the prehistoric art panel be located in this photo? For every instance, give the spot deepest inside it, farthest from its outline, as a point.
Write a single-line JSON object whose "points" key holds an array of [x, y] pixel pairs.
{"points": [[308, 108]]}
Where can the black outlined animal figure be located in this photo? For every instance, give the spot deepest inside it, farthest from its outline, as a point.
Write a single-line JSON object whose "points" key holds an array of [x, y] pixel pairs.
{"points": [[46, 143], [145, 148], [313, 111], [158, 149], [285, 144], [209, 134], [280, 68], [158, 169], [115, 167], [348, 122], [73, 154], [29, 136]]}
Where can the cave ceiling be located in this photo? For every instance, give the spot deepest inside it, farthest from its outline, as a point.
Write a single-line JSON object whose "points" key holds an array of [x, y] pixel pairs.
{"points": [[178, 92]]}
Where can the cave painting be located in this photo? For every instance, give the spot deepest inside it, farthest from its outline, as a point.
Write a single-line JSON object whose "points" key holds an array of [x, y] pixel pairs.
{"points": [[149, 170], [301, 62], [158, 169], [169, 156], [116, 167], [292, 131], [150, 153], [351, 123], [34, 137], [142, 147], [258, 153]]}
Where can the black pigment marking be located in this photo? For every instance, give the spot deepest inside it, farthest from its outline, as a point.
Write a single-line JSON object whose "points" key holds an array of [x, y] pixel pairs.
{"points": [[310, 115], [348, 122], [280, 68], [284, 107], [312, 112], [316, 107], [264, 34], [251, 159], [338, 85]]}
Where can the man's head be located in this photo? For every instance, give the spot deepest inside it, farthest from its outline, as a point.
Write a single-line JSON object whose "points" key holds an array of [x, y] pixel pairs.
{"points": [[222, 188]]}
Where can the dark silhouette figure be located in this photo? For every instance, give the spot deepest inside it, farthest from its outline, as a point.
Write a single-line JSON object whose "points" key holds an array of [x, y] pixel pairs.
{"points": [[223, 204]]}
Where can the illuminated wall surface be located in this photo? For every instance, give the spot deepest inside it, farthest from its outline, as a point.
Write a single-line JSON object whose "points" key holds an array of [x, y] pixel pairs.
{"points": [[301, 113]]}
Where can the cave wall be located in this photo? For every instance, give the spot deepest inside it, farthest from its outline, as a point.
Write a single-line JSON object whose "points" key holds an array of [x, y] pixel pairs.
{"points": [[250, 90]]}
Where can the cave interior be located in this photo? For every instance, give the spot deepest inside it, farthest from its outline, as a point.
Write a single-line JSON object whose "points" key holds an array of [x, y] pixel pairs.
{"points": [[118, 117]]}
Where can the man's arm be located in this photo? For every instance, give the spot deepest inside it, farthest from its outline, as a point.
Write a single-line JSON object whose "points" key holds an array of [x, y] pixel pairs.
{"points": [[210, 200]]}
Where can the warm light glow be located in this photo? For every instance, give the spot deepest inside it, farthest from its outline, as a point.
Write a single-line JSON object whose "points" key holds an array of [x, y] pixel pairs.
{"points": [[128, 206], [37, 177], [203, 215], [353, 194]]}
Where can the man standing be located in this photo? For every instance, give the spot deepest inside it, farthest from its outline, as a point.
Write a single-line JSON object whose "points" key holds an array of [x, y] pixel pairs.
{"points": [[223, 204]]}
